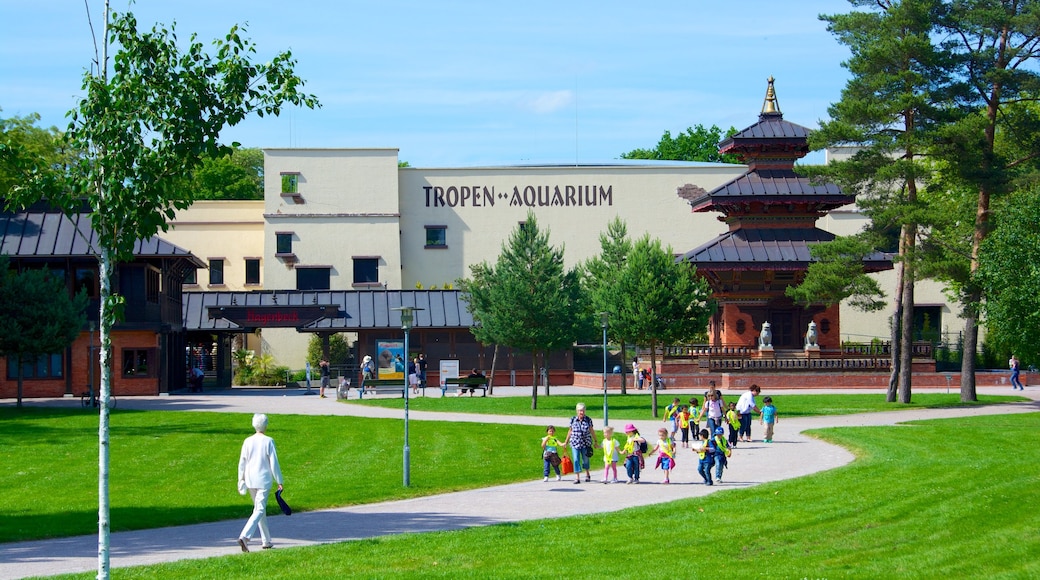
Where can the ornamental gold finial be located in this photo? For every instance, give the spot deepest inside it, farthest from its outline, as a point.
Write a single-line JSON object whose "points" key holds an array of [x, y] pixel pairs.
{"points": [[770, 106]]}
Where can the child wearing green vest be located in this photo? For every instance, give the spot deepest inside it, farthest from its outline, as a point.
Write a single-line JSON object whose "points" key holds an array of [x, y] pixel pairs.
{"points": [[611, 454], [551, 453], [721, 452]]}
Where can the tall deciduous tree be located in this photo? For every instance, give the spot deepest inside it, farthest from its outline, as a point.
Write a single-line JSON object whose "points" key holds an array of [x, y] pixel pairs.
{"points": [[38, 316], [997, 44], [890, 109], [527, 300], [1010, 278], [600, 278], [663, 301], [28, 153], [147, 120], [237, 175], [698, 143]]}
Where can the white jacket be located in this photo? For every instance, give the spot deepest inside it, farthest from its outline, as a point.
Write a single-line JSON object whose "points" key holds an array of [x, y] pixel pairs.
{"points": [[258, 463]]}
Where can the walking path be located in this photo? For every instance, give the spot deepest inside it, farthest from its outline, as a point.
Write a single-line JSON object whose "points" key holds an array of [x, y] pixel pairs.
{"points": [[791, 455]]}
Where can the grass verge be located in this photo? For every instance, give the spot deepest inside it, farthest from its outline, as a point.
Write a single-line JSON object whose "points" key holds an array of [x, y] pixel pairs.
{"points": [[944, 498]]}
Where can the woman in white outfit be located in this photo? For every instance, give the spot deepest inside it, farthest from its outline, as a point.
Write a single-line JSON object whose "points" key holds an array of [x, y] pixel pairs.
{"points": [[257, 470]]}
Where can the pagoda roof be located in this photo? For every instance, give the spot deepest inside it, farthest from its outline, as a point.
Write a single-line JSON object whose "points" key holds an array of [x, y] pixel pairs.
{"points": [[769, 186], [769, 126], [769, 248]]}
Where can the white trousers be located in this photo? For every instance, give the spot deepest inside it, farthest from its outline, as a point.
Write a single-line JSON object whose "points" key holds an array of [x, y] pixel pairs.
{"points": [[259, 517]]}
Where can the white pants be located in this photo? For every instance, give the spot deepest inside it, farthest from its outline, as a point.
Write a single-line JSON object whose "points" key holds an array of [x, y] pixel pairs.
{"points": [[259, 517]]}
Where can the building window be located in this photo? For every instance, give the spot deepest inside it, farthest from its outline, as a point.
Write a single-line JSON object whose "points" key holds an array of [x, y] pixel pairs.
{"points": [[86, 281], [436, 236], [252, 271], [366, 270], [152, 285], [290, 183], [216, 271], [191, 277], [313, 277], [283, 243], [138, 362], [48, 366]]}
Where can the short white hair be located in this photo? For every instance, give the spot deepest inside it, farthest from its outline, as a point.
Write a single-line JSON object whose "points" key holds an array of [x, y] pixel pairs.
{"points": [[260, 422], [579, 407]]}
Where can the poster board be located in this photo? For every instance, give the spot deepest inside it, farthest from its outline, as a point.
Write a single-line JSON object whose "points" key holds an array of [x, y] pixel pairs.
{"points": [[449, 370], [390, 359]]}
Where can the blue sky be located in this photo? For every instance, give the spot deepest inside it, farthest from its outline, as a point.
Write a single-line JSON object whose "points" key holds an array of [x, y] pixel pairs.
{"points": [[463, 83]]}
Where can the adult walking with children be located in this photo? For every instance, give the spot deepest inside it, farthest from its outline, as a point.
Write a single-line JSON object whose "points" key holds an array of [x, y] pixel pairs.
{"points": [[581, 437], [745, 406]]}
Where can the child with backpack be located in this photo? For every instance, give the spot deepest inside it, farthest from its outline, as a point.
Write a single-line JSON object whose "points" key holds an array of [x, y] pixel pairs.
{"points": [[635, 447], [671, 413], [610, 447], [551, 453], [666, 449], [721, 451], [705, 456], [695, 411], [733, 419]]}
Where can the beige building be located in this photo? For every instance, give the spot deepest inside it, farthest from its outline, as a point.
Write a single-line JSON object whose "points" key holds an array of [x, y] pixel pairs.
{"points": [[351, 219]]}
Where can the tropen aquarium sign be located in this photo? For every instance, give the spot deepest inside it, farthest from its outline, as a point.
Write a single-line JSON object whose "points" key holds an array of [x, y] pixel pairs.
{"points": [[519, 196]]}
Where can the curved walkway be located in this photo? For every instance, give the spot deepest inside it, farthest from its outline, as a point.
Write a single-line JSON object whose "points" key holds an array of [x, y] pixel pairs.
{"points": [[791, 455]]}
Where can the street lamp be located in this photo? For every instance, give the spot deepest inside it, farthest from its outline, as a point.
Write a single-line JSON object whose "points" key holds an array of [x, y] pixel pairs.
{"points": [[407, 313], [603, 319]]}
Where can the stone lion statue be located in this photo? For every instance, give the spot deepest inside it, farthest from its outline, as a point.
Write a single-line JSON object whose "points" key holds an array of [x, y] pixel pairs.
{"points": [[765, 338], [810, 335]]}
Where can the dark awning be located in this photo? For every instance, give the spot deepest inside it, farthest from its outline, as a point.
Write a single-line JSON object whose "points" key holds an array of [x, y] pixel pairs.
{"points": [[323, 311]]}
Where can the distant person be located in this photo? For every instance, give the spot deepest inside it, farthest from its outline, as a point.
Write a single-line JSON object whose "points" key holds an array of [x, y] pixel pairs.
{"points": [[323, 366], [413, 375], [768, 418], [721, 450], [367, 370], [695, 413], [257, 470], [671, 416], [197, 375], [1015, 367], [684, 424], [733, 420], [705, 456], [637, 376], [713, 411], [475, 374], [423, 365]]}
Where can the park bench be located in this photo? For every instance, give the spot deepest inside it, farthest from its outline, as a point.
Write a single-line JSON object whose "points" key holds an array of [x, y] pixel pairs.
{"points": [[377, 386], [463, 383]]}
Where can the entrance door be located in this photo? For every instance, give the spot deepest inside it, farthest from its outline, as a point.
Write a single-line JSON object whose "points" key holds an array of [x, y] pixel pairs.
{"points": [[784, 335]]}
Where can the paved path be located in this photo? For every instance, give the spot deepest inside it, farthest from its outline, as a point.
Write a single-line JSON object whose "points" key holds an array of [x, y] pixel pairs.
{"points": [[791, 455]]}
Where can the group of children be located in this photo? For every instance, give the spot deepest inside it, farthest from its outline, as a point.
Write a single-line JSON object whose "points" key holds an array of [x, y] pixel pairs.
{"points": [[713, 448]]}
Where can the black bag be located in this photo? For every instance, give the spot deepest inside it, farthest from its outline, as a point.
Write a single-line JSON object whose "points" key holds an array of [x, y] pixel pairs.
{"points": [[643, 446], [281, 503], [589, 452]]}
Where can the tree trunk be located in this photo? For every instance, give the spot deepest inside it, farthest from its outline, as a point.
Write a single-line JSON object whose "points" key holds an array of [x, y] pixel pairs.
{"points": [[491, 375], [971, 341], [534, 380], [545, 369], [906, 339], [107, 317], [897, 321]]}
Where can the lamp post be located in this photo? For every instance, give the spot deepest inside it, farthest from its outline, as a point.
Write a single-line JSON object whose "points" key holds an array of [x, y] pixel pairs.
{"points": [[603, 319], [407, 313]]}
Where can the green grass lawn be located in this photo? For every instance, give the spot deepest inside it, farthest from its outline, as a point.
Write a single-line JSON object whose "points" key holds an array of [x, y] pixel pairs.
{"points": [[174, 467], [944, 498], [638, 406]]}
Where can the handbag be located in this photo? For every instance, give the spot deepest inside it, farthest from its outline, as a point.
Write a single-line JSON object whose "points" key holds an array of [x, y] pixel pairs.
{"points": [[552, 457], [566, 465], [589, 452], [281, 503]]}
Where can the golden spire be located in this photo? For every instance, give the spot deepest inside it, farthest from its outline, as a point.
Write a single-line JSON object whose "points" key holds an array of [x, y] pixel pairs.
{"points": [[770, 106]]}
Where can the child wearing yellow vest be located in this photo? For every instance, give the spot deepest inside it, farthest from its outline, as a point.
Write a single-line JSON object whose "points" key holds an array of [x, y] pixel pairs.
{"points": [[633, 453], [733, 418], [666, 449], [705, 457], [684, 425], [611, 455], [550, 453]]}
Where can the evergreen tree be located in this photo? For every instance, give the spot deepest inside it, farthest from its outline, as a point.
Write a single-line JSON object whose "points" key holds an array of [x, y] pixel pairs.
{"points": [[600, 279], [527, 300]]}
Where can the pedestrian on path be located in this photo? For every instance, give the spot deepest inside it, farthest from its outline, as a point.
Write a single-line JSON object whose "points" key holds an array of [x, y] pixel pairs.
{"points": [[768, 418], [634, 449], [713, 410], [611, 456], [581, 437], [720, 448], [745, 406], [550, 453], [324, 366], [257, 469], [1015, 367], [706, 459], [665, 449]]}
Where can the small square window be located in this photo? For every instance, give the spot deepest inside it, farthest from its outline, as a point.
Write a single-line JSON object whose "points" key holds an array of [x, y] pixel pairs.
{"points": [[290, 183], [283, 243], [138, 362], [436, 236], [252, 271], [191, 277], [313, 278], [216, 271], [86, 281], [366, 270]]}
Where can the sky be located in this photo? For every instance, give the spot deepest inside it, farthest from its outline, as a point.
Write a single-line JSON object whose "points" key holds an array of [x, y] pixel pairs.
{"points": [[472, 83]]}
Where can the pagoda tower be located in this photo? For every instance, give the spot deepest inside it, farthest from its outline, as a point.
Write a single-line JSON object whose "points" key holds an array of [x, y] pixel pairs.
{"points": [[771, 214]]}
